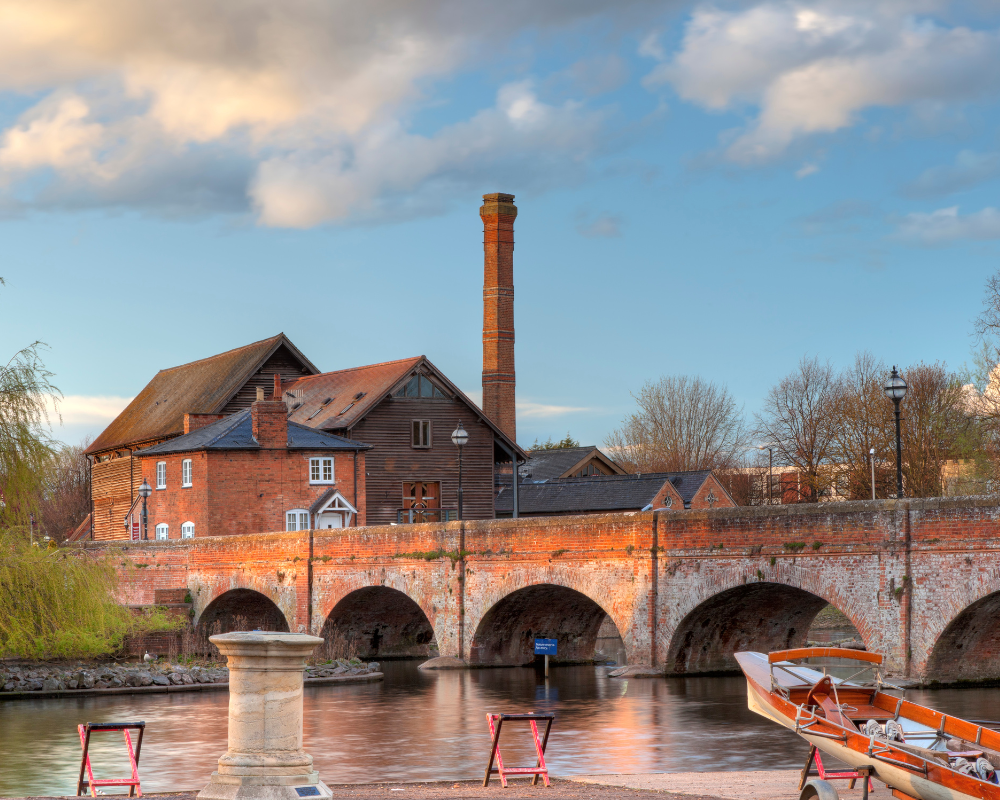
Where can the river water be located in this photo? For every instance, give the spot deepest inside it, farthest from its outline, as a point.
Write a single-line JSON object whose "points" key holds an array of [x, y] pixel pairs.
{"points": [[424, 726]]}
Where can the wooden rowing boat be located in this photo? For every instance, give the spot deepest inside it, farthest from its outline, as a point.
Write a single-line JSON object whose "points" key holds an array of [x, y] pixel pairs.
{"points": [[916, 751]]}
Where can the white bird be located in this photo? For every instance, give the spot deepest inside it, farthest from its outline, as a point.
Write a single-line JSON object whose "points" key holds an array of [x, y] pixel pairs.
{"points": [[148, 658]]}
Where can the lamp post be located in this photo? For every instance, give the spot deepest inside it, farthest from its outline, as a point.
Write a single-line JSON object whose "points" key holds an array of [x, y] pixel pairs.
{"points": [[145, 490], [459, 437], [871, 457], [770, 469], [895, 390]]}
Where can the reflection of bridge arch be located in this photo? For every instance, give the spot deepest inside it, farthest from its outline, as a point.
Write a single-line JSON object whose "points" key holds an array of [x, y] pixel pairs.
{"points": [[505, 634], [378, 622], [772, 613], [241, 610]]}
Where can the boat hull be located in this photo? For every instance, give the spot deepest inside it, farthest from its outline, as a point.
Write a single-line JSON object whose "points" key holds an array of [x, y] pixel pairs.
{"points": [[772, 706]]}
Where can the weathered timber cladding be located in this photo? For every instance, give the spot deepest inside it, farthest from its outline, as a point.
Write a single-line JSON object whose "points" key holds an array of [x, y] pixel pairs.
{"points": [[908, 574], [282, 363], [393, 460]]}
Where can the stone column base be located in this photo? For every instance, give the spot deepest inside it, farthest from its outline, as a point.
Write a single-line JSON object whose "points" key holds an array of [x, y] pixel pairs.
{"points": [[224, 787]]}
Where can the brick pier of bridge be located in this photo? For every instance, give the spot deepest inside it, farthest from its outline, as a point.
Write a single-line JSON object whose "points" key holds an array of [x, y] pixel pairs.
{"points": [[919, 579]]}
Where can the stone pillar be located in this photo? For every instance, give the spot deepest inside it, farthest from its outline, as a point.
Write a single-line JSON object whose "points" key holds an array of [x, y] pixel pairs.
{"points": [[265, 760]]}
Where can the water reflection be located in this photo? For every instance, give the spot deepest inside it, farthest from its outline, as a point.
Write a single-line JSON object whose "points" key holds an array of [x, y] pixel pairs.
{"points": [[432, 726]]}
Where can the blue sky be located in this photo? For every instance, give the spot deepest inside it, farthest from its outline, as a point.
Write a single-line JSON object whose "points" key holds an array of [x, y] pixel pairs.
{"points": [[711, 189]]}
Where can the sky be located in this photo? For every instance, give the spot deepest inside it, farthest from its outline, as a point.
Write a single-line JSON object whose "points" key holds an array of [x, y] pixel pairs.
{"points": [[703, 188]]}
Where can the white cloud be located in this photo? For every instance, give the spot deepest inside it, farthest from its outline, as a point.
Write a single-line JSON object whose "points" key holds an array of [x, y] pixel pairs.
{"points": [[806, 170], [544, 410], [300, 111], [946, 225], [814, 68], [377, 175], [75, 409]]}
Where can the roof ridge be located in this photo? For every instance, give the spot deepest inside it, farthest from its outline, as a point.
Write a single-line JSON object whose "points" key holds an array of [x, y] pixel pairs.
{"points": [[354, 369], [225, 353]]}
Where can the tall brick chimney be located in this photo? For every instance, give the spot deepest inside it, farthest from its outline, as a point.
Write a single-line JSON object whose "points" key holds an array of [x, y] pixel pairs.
{"points": [[498, 212], [270, 420]]}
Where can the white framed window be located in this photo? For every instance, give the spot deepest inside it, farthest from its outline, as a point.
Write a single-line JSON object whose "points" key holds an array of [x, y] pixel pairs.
{"points": [[297, 520], [421, 433], [321, 470], [162, 531], [161, 474], [187, 530], [186, 472]]}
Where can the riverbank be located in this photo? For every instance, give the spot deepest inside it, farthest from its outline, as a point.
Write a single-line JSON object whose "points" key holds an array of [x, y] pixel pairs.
{"points": [[36, 680], [777, 785]]}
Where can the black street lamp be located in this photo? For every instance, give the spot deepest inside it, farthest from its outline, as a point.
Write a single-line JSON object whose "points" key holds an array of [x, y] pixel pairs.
{"points": [[459, 437], [895, 390], [145, 490]]}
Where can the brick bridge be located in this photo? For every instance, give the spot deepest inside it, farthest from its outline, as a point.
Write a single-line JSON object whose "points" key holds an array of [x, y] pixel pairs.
{"points": [[919, 579]]}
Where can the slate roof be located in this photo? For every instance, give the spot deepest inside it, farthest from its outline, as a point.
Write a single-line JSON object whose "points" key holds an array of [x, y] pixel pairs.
{"points": [[203, 387], [235, 432], [547, 464], [339, 400], [604, 493]]}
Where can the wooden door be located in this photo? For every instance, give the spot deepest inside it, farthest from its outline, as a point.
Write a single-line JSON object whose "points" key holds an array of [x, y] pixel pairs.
{"points": [[423, 495]]}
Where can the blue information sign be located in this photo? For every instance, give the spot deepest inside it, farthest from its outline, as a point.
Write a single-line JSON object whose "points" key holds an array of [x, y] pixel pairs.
{"points": [[545, 647]]}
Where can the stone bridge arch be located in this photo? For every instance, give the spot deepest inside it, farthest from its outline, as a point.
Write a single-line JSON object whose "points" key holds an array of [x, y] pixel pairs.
{"points": [[281, 591], [238, 610], [960, 634], [566, 602], [379, 613], [752, 608]]}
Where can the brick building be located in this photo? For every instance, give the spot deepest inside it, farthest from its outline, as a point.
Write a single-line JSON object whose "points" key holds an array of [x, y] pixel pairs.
{"points": [[252, 471]]}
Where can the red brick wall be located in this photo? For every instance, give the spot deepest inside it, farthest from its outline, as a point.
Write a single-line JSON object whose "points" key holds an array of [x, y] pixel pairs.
{"points": [[243, 491]]}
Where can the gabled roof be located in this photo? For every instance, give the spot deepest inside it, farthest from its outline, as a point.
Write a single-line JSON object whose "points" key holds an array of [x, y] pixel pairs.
{"points": [[339, 400], [599, 493], [235, 432], [562, 462], [202, 387]]}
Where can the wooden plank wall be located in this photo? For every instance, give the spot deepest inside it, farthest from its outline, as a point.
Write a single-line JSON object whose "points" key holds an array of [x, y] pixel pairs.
{"points": [[393, 460], [282, 362]]}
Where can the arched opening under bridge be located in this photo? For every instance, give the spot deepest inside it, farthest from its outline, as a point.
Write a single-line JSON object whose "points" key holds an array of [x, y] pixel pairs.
{"points": [[507, 632], [758, 616], [239, 610], [378, 622], [969, 647]]}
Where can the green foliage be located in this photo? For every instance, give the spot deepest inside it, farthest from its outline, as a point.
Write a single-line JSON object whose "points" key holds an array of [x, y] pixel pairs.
{"points": [[566, 442], [557, 553], [62, 604], [795, 547], [26, 447], [773, 561], [434, 555], [817, 545]]}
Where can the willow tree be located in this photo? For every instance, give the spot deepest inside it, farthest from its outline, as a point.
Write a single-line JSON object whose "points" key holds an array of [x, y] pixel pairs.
{"points": [[26, 445]]}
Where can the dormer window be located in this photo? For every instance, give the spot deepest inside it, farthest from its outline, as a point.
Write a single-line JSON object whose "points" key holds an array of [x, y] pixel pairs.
{"points": [[420, 386]]}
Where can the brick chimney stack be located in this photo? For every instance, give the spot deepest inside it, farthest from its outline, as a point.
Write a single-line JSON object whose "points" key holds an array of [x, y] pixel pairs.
{"points": [[498, 212], [270, 419]]}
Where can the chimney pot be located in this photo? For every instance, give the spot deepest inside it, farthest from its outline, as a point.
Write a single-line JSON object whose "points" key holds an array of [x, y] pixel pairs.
{"points": [[277, 386], [260, 394]]}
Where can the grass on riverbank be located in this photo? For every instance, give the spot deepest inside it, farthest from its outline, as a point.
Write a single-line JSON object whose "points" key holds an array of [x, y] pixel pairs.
{"points": [[57, 603]]}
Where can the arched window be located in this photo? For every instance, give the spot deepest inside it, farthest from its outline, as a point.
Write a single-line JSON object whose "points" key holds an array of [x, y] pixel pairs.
{"points": [[297, 520], [187, 530], [162, 531]]}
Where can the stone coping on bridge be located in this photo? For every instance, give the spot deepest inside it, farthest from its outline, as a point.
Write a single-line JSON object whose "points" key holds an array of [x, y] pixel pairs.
{"points": [[633, 519]]}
